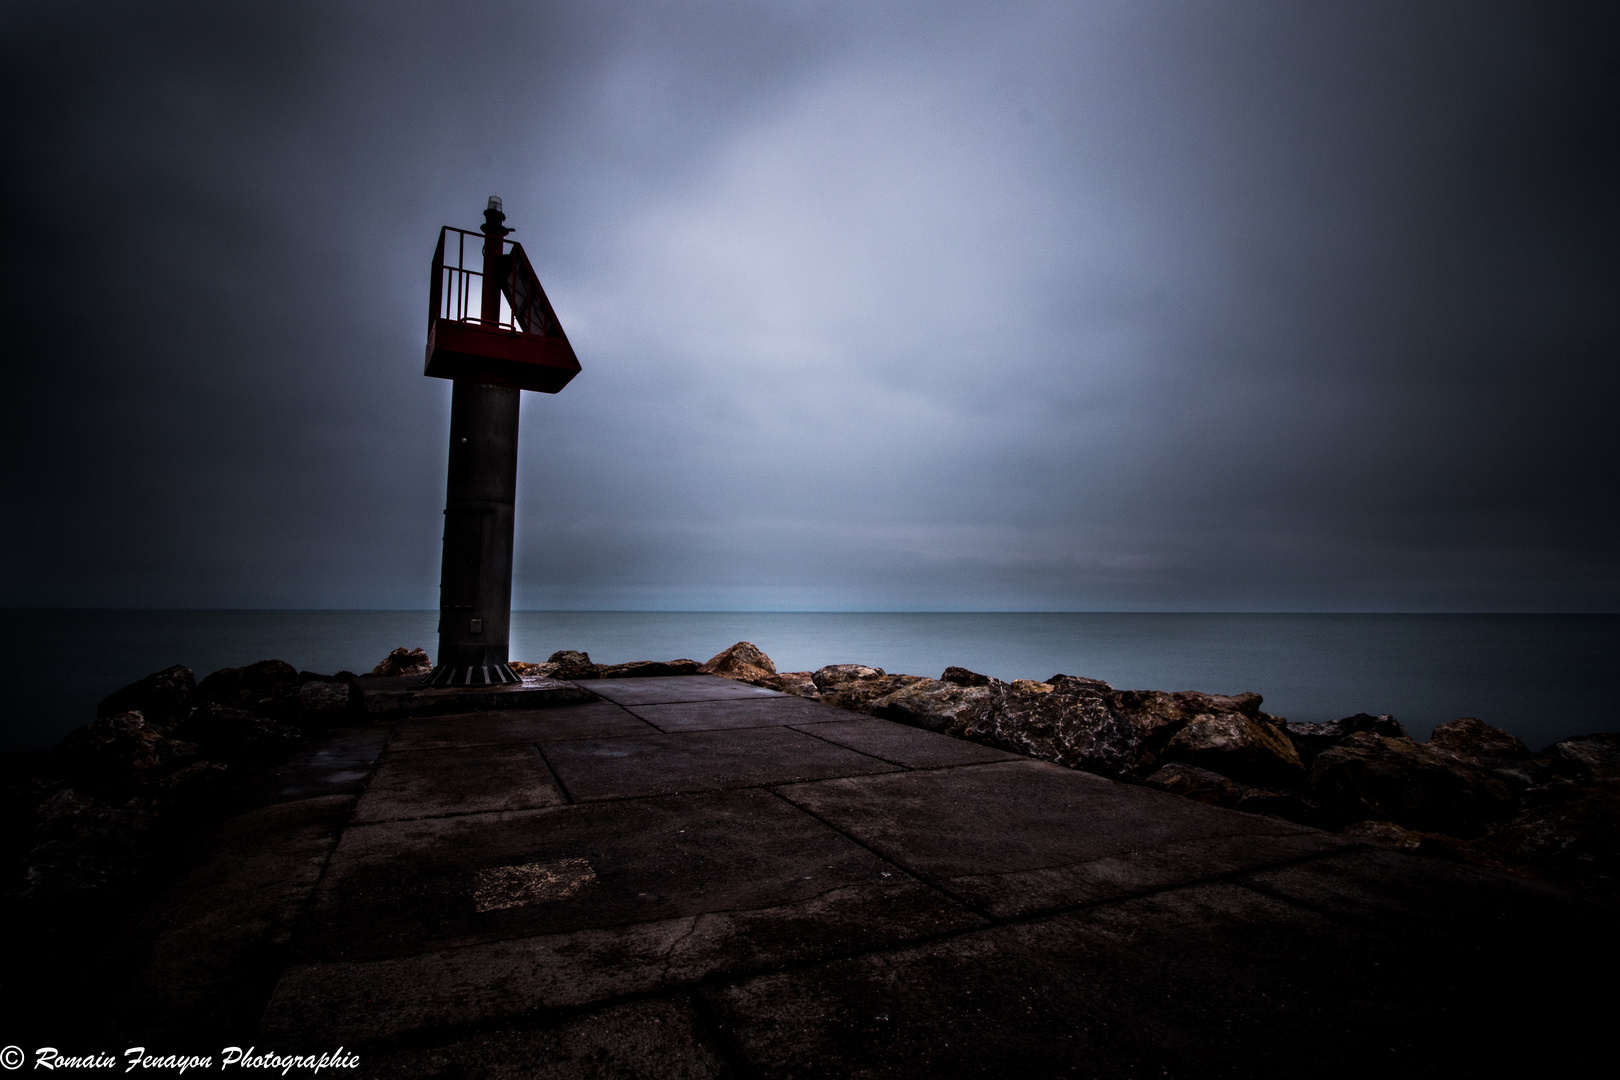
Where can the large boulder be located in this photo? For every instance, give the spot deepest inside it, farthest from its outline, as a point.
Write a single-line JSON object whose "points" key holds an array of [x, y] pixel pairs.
{"points": [[122, 751], [797, 683], [1492, 749], [403, 661], [648, 669], [936, 705], [1587, 757], [1569, 832], [1478, 741], [743, 661], [269, 687], [1387, 778], [833, 676], [1412, 841], [1200, 785], [237, 735], [1127, 734], [82, 845], [572, 664], [861, 692], [1073, 722], [160, 697], [1238, 745], [961, 676], [323, 698], [1311, 739]]}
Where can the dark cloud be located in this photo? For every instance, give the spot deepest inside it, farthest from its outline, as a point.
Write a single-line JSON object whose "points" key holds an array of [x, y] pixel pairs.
{"points": [[898, 305]]}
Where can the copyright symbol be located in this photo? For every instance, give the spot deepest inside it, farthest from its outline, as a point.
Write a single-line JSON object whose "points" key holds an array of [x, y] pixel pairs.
{"points": [[11, 1057]]}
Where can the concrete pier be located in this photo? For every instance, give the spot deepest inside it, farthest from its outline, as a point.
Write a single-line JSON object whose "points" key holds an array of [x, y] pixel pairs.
{"points": [[696, 877]]}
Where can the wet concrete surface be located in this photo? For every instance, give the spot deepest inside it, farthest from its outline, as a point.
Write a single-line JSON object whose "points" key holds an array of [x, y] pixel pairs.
{"points": [[699, 878]]}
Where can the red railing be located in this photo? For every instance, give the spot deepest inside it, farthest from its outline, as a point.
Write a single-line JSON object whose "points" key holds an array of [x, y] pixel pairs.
{"points": [[457, 287]]}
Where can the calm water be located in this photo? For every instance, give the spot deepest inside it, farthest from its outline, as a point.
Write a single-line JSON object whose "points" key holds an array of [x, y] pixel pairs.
{"points": [[1542, 677]]}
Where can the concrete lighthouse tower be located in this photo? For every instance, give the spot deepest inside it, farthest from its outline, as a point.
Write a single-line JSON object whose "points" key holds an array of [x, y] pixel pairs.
{"points": [[514, 343]]}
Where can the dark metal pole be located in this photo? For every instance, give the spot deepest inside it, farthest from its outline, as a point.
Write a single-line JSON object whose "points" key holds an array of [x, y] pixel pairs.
{"points": [[475, 579]]}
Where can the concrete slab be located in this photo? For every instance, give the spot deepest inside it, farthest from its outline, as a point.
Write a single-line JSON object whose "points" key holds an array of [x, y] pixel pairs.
{"points": [[1210, 981], [593, 720], [1136, 871], [660, 1039], [903, 745], [336, 762], [213, 938], [458, 780], [495, 982], [699, 761], [738, 713], [1378, 888], [412, 886], [670, 688], [965, 827], [392, 697]]}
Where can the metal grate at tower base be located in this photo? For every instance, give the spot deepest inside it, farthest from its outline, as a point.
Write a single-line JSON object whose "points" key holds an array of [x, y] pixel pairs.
{"points": [[472, 675]]}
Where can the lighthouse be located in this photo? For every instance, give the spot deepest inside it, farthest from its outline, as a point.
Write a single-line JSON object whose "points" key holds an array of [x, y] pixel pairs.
{"points": [[513, 343]]}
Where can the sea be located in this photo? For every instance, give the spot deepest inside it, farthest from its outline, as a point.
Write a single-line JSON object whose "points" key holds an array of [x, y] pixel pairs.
{"points": [[1541, 677]]}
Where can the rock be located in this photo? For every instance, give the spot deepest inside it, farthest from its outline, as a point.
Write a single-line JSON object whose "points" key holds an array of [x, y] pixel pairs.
{"points": [[963, 677], [1588, 756], [572, 664], [1491, 749], [1200, 785], [323, 697], [856, 686], [835, 675], [1205, 786], [646, 669], [1388, 778], [198, 779], [1072, 723], [1225, 733], [403, 661], [859, 695], [1478, 741], [1076, 682], [117, 750], [936, 704], [1287, 805], [743, 661], [160, 697], [524, 670], [269, 687], [1311, 739], [1571, 836], [236, 735], [797, 683], [1389, 834], [1235, 745], [81, 845], [1126, 734]]}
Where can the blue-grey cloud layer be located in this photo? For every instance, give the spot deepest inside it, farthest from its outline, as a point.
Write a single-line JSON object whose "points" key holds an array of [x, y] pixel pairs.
{"points": [[880, 305]]}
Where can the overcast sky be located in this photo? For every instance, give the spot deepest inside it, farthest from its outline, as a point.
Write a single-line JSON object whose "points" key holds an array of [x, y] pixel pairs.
{"points": [[1064, 306]]}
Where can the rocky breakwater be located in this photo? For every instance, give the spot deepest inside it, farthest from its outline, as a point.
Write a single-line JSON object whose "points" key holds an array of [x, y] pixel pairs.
{"points": [[86, 818], [1472, 792]]}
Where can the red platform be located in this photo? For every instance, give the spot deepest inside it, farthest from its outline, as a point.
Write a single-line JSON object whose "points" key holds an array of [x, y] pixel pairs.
{"points": [[526, 350]]}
